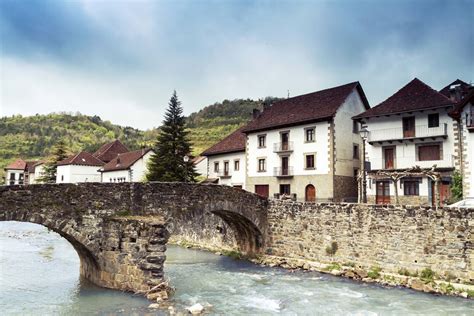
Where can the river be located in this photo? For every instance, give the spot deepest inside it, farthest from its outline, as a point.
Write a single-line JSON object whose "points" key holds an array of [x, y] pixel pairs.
{"points": [[39, 275]]}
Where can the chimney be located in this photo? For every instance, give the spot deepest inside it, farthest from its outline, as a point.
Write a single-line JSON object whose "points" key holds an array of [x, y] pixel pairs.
{"points": [[255, 113]]}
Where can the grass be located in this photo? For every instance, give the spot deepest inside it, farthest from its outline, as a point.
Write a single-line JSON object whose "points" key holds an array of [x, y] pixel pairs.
{"points": [[233, 254], [123, 213], [333, 266], [427, 275]]}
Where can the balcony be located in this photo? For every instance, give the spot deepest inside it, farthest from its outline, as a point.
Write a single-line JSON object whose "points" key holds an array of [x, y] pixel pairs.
{"points": [[280, 172], [283, 147], [398, 134], [224, 174], [470, 122]]}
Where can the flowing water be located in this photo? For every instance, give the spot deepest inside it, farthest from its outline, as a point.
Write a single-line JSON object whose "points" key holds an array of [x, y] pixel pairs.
{"points": [[39, 275]]}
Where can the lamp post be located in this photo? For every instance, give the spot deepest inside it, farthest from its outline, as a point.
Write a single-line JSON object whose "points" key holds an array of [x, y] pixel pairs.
{"points": [[364, 134]]}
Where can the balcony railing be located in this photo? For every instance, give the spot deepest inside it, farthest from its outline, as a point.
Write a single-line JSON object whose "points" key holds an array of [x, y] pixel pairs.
{"points": [[470, 121], [283, 172], [398, 134], [224, 174], [282, 147]]}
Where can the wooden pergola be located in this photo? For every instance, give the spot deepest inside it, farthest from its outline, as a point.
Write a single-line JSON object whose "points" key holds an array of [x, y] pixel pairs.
{"points": [[416, 171]]}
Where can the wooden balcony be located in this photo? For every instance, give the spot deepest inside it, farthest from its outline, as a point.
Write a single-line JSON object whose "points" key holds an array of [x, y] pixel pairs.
{"points": [[391, 135]]}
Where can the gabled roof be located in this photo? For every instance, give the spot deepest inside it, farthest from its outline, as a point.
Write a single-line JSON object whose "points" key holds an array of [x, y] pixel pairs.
{"points": [[18, 164], [124, 161], [198, 159], [456, 112], [30, 166], [235, 142], [109, 151], [464, 87], [414, 96], [307, 108], [83, 159]]}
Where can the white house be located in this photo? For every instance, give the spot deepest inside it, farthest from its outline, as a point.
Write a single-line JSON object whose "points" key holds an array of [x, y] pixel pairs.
{"points": [[127, 167], [200, 165], [82, 167], [411, 128], [463, 113], [307, 147], [19, 172], [226, 161], [35, 172]]}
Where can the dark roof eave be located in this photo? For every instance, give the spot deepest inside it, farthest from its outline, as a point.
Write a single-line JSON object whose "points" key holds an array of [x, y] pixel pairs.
{"points": [[115, 169], [321, 119], [361, 116], [223, 152]]}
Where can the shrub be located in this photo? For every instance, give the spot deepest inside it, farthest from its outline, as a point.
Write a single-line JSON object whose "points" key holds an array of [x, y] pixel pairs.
{"points": [[331, 250], [349, 264], [404, 271], [374, 272], [333, 266], [427, 275]]}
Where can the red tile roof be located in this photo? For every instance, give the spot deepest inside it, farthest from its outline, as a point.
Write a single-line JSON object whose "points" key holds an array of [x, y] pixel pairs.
{"points": [[109, 151], [414, 96], [235, 142], [307, 108], [124, 161], [18, 164], [83, 158]]}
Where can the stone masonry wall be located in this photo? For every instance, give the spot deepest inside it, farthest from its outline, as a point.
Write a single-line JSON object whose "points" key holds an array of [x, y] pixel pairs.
{"points": [[368, 235]]}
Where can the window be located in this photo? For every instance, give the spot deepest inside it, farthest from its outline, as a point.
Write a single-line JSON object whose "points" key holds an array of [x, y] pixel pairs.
{"points": [[285, 189], [356, 172], [261, 165], [262, 141], [236, 165], [309, 135], [429, 152], [411, 187], [216, 167], [433, 120], [355, 151], [310, 161], [226, 168], [355, 127], [12, 176], [62, 178]]}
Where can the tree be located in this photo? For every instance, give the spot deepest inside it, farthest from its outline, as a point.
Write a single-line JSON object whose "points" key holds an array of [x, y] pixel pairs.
{"points": [[456, 186], [170, 162], [58, 153]]}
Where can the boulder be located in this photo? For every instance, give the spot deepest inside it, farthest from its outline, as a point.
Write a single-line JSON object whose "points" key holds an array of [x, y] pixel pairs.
{"points": [[196, 309], [154, 306], [361, 273]]}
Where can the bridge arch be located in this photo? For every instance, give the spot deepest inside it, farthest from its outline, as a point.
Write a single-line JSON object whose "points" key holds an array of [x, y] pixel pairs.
{"points": [[120, 230]]}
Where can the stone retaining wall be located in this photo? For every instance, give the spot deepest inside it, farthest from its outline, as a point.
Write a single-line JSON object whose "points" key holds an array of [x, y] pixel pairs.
{"points": [[389, 237]]}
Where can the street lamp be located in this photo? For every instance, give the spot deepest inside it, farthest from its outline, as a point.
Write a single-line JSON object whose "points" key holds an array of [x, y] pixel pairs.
{"points": [[186, 158], [364, 134]]}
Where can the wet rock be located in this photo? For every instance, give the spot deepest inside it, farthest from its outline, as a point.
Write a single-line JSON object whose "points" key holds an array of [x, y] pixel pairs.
{"points": [[350, 274], [154, 306], [336, 272], [196, 309], [361, 273], [464, 294]]}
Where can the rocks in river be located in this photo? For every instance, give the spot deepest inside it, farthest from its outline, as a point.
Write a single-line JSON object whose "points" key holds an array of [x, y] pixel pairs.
{"points": [[336, 272], [196, 309], [154, 306]]}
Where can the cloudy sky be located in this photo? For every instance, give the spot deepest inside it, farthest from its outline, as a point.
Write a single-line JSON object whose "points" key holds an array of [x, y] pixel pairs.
{"points": [[122, 59]]}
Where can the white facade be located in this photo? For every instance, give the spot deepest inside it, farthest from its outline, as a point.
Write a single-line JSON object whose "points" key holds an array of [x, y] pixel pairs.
{"points": [[386, 133], [319, 147], [39, 172], [231, 168], [135, 173], [467, 123], [77, 174], [201, 167], [14, 177]]}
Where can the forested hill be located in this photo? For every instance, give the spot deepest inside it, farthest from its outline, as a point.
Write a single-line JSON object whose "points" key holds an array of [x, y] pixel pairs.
{"points": [[31, 137]]}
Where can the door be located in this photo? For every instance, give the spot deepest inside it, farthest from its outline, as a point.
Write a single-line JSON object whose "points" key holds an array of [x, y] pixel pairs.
{"points": [[389, 156], [226, 168], [444, 193], [284, 141], [262, 190], [310, 193], [383, 192], [284, 166], [409, 126]]}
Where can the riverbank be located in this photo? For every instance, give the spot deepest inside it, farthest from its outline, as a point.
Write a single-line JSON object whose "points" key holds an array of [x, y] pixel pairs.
{"points": [[424, 281]]}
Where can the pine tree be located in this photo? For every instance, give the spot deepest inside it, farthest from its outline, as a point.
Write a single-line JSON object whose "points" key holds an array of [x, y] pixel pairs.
{"points": [[58, 153], [170, 161]]}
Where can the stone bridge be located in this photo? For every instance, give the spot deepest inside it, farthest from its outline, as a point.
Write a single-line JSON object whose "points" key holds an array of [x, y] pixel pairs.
{"points": [[120, 230]]}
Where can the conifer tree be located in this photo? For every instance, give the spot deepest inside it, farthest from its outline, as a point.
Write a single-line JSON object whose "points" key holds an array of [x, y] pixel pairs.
{"points": [[58, 153], [172, 148]]}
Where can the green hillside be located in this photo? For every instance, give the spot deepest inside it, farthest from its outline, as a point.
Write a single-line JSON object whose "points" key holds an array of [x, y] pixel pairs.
{"points": [[31, 137]]}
